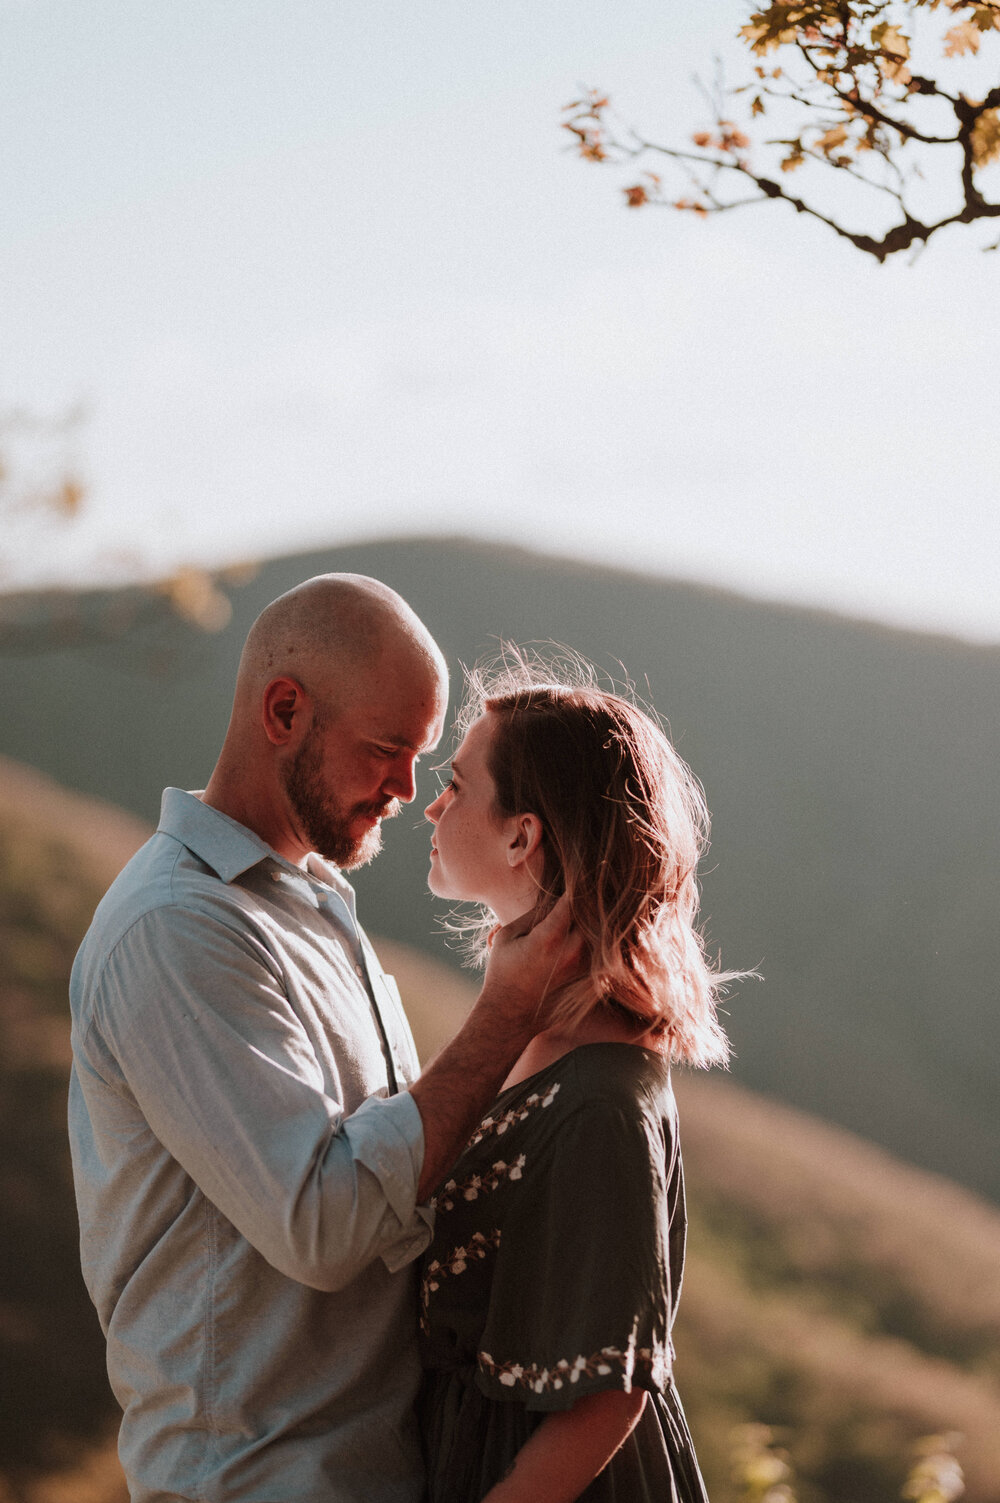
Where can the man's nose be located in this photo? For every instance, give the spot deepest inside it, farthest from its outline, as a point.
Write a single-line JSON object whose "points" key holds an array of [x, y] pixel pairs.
{"points": [[402, 781]]}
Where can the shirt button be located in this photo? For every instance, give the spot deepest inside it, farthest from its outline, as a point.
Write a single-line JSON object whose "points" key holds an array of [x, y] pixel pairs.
{"points": [[275, 876], [360, 970]]}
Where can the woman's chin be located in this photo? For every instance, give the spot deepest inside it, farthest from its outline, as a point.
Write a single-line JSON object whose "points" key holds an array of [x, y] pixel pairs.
{"points": [[438, 885], [442, 888]]}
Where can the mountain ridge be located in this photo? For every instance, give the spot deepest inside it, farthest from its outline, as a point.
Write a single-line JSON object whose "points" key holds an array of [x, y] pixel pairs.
{"points": [[849, 768]]}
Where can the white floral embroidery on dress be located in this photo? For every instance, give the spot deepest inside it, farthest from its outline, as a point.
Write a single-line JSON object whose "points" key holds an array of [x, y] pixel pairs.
{"points": [[499, 1125], [478, 1245], [541, 1379], [469, 1189]]}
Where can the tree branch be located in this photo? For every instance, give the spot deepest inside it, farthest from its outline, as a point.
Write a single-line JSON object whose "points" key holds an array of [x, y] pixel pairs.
{"points": [[857, 55], [899, 238], [871, 111]]}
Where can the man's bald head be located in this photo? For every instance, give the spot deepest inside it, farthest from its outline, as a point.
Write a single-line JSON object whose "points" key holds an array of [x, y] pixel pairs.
{"points": [[329, 634], [340, 690]]}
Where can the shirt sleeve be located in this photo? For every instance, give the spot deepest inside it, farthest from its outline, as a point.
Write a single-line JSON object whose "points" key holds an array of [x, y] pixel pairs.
{"points": [[195, 1016], [580, 1298]]}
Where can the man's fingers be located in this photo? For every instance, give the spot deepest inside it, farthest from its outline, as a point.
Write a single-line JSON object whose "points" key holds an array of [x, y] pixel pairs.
{"points": [[570, 962], [517, 928], [544, 953], [549, 929], [557, 923], [563, 944]]}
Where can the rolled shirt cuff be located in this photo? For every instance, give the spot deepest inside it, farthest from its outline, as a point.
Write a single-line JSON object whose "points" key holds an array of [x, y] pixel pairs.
{"points": [[387, 1137]]}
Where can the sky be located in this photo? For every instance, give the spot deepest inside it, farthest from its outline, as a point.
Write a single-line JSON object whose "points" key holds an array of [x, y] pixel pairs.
{"points": [[317, 272]]}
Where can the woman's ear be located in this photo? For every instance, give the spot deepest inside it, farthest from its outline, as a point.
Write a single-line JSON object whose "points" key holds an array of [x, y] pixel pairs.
{"points": [[526, 840]]}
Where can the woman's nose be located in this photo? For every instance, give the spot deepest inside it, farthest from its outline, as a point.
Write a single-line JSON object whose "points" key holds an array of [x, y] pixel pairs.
{"points": [[432, 811]]}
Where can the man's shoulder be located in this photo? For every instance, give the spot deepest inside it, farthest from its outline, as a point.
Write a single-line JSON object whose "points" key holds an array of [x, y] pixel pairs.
{"points": [[163, 878]]}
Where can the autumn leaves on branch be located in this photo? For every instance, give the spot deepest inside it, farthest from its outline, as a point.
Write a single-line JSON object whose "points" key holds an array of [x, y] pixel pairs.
{"points": [[840, 96]]}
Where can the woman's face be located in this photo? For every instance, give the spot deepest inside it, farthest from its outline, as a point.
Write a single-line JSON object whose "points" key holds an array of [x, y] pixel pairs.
{"points": [[474, 851]]}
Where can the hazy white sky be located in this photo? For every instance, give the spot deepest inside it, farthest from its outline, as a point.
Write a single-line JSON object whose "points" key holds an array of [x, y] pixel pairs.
{"points": [[321, 270]]}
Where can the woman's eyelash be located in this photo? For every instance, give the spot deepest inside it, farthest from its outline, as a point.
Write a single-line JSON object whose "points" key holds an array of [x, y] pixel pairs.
{"points": [[445, 774]]}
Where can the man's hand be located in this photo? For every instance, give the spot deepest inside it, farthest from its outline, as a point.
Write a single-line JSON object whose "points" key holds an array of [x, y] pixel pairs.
{"points": [[529, 962]]}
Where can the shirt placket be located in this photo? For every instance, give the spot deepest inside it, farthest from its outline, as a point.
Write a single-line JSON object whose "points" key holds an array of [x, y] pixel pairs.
{"points": [[336, 910]]}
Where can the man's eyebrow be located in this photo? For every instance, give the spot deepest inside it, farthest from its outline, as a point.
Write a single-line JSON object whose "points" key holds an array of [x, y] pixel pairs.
{"points": [[401, 741]]}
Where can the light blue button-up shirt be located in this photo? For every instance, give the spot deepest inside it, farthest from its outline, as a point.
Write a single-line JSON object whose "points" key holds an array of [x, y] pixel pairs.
{"points": [[246, 1159]]}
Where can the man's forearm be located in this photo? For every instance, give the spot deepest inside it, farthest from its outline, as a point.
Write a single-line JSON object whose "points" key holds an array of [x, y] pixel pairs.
{"points": [[455, 1090], [527, 965]]}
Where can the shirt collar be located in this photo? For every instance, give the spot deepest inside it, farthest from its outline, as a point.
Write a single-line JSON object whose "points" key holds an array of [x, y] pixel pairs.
{"points": [[321, 870], [229, 848]]}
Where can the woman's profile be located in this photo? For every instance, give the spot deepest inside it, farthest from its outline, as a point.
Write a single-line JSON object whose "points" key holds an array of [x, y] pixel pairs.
{"points": [[550, 1288]]}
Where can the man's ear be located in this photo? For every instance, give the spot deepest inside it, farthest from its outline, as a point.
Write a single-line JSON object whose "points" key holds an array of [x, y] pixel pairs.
{"points": [[284, 710], [526, 840]]}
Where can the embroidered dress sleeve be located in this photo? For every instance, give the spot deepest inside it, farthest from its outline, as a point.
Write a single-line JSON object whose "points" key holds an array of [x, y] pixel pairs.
{"points": [[581, 1296]]}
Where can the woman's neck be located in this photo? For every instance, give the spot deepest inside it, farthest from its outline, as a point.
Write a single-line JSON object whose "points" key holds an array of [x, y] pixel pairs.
{"points": [[601, 1025]]}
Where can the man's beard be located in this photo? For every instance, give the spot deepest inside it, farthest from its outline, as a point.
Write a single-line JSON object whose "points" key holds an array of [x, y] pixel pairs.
{"points": [[327, 826]]}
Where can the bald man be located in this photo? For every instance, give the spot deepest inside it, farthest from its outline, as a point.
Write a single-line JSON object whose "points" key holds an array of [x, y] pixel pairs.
{"points": [[252, 1148]]}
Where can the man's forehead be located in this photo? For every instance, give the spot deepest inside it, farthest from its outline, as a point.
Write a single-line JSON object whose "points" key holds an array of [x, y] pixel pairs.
{"points": [[404, 709], [412, 727]]}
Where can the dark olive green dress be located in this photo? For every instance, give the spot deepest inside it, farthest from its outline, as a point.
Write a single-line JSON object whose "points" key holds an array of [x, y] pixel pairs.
{"points": [[554, 1273]]}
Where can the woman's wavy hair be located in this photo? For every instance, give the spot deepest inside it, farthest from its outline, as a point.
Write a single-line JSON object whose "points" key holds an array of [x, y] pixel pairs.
{"points": [[625, 823]]}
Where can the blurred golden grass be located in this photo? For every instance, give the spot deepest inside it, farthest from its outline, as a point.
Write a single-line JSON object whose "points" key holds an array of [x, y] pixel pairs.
{"points": [[835, 1197], [96, 1477]]}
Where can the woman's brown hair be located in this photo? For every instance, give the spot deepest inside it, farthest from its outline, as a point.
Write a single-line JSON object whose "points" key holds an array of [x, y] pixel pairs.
{"points": [[624, 823]]}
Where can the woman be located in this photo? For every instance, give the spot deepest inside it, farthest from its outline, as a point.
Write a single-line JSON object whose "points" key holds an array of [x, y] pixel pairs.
{"points": [[550, 1288]]}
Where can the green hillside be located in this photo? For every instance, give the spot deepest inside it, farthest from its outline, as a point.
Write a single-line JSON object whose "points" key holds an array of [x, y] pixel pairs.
{"points": [[831, 1291], [851, 771]]}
